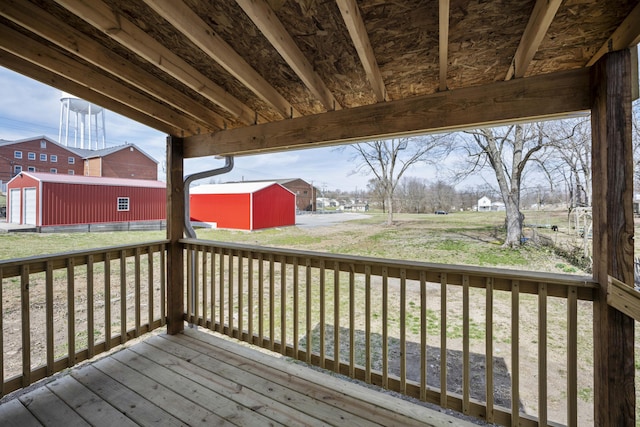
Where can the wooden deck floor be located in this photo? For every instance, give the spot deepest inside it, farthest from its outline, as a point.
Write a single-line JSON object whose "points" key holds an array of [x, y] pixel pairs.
{"points": [[197, 378]]}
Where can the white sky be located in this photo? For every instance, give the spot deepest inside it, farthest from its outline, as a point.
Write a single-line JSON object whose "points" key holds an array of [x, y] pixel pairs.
{"points": [[30, 109]]}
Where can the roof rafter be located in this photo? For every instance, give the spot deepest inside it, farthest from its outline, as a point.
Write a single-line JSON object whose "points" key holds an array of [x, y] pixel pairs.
{"points": [[626, 35], [50, 78], [549, 95], [101, 16], [541, 17], [443, 36], [358, 32], [271, 27], [43, 56], [202, 35], [39, 22]]}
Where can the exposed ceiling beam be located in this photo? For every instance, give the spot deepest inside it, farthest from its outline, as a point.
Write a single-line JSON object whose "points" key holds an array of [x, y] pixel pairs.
{"points": [[271, 27], [543, 13], [626, 35], [47, 77], [358, 32], [443, 36], [202, 35], [533, 98], [38, 21], [101, 16], [43, 56]]}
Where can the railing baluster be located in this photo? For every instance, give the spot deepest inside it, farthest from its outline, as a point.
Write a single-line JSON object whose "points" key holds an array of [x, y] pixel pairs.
{"points": [[572, 357], [205, 314], [230, 293], [49, 317], [308, 319], [423, 335], [26, 325], [367, 323], [296, 308], [465, 345], [195, 283], [260, 299], [90, 299], [352, 320], [515, 352], [213, 288], [240, 294], [443, 340], [150, 293], [272, 298], [322, 307], [221, 292], [385, 329], [250, 296], [71, 322], [123, 297], [403, 330], [163, 281], [137, 284], [336, 316], [283, 305], [489, 348], [542, 354], [107, 301]]}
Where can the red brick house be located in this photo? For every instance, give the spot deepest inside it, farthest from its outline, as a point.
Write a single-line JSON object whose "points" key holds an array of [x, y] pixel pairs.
{"points": [[122, 161]]}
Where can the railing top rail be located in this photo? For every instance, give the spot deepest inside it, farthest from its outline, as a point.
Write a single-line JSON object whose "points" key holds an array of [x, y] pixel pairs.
{"points": [[498, 273]]}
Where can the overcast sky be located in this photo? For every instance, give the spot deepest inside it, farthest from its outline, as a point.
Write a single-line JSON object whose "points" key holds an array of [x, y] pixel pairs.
{"points": [[29, 109]]}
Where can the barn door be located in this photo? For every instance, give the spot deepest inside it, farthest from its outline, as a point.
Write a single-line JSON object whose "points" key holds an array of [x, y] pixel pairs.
{"points": [[14, 206], [30, 206]]}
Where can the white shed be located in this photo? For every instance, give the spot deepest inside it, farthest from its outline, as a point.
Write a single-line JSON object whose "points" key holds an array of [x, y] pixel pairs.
{"points": [[484, 204]]}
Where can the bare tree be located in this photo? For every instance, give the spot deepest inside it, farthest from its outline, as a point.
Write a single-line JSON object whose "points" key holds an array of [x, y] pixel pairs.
{"points": [[388, 160], [507, 150]]}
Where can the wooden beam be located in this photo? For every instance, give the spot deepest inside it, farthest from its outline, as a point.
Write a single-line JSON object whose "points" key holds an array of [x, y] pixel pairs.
{"points": [[103, 18], [443, 37], [202, 35], [549, 95], [543, 13], [358, 32], [175, 231], [625, 36], [42, 23], [48, 58], [624, 298], [613, 229], [33, 71], [271, 27]]}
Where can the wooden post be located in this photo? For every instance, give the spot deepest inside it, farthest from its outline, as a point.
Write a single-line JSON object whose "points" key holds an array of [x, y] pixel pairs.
{"points": [[175, 227], [614, 394]]}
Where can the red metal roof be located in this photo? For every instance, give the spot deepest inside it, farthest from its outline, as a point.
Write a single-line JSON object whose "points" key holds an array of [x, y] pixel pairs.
{"points": [[92, 180]]}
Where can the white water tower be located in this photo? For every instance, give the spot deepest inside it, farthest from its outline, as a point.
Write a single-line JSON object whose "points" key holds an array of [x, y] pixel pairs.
{"points": [[81, 123]]}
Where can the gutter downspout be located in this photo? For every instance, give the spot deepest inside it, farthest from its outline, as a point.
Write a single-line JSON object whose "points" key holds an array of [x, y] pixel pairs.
{"points": [[188, 229]]}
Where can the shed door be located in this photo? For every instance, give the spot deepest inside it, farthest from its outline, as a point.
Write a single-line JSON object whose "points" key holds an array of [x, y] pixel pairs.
{"points": [[14, 205], [30, 206]]}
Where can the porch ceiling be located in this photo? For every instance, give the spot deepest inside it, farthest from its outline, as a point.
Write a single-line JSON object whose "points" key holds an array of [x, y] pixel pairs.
{"points": [[246, 76]]}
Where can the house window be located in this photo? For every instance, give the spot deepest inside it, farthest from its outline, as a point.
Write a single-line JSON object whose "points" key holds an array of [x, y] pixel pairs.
{"points": [[31, 169], [31, 156], [17, 169], [72, 172], [123, 204], [53, 170], [43, 143], [72, 160], [17, 154], [53, 158], [43, 157]]}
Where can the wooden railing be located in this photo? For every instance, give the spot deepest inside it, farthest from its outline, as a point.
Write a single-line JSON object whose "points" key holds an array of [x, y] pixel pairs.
{"points": [[58, 310], [424, 330]]}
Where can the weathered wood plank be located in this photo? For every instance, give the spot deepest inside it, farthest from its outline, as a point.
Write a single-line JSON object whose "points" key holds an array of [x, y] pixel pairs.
{"points": [[14, 414], [624, 298], [87, 404], [175, 224], [51, 410]]}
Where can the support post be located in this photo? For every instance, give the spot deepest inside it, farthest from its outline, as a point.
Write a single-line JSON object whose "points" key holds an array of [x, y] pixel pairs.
{"points": [[175, 228], [614, 394]]}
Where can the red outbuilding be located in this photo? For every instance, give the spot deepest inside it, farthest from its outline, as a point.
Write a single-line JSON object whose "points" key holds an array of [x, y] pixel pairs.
{"points": [[58, 200], [243, 205]]}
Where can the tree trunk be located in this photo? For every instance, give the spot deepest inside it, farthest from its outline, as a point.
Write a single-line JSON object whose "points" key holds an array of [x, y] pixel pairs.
{"points": [[514, 220], [389, 198]]}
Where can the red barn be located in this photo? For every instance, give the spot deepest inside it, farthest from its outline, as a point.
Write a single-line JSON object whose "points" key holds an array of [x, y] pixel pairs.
{"points": [[54, 200], [243, 205]]}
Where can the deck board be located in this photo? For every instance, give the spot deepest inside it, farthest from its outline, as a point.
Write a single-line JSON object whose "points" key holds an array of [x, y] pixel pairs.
{"points": [[200, 379]]}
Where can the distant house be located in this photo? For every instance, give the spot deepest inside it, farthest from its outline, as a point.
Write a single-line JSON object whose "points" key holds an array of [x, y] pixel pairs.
{"points": [[122, 161], [71, 202], [243, 205], [484, 204]]}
